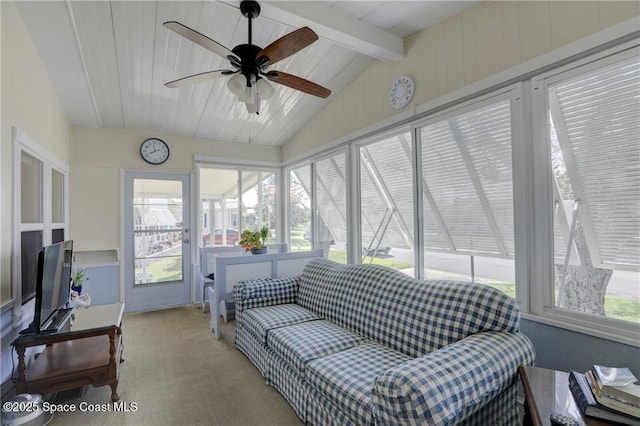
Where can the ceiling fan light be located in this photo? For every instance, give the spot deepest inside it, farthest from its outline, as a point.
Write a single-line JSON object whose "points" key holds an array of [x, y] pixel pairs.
{"points": [[237, 84], [245, 96], [265, 89]]}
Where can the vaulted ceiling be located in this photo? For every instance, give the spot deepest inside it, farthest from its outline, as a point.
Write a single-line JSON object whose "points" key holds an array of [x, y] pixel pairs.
{"points": [[109, 60]]}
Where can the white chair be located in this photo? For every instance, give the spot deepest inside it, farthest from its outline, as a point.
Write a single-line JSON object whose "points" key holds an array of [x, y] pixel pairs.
{"points": [[208, 257]]}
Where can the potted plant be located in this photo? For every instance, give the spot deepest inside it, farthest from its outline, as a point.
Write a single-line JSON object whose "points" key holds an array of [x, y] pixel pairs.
{"points": [[255, 241], [77, 279]]}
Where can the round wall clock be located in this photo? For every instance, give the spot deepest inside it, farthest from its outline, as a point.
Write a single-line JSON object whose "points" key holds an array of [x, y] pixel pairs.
{"points": [[154, 151], [401, 92]]}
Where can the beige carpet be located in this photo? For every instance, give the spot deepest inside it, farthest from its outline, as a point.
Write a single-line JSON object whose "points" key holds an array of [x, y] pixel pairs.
{"points": [[177, 373]]}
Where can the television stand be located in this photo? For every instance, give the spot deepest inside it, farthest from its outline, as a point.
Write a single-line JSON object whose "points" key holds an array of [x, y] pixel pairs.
{"points": [[86, 351], [58, 320]]}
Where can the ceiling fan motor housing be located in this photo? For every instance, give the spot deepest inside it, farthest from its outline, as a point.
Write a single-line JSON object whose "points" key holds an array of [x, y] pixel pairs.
{"points": [[250, 9], [248, 60]]}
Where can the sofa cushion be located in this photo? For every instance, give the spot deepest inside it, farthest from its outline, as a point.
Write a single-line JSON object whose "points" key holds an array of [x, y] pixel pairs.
{"points": [[408, 315], [346, 377], [448, 385], [301, 343], [260, 321], [265, 292]]}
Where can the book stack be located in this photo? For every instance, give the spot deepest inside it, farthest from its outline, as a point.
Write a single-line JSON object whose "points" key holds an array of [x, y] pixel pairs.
{"points": [[607, 393]]}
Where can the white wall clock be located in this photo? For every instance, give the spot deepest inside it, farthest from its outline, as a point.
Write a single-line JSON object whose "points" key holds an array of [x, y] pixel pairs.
{"points": [[154, 151], [401, 92]]}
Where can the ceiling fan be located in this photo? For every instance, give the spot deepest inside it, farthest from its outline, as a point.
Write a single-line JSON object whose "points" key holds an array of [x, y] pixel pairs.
{"points": [[250, 62]]}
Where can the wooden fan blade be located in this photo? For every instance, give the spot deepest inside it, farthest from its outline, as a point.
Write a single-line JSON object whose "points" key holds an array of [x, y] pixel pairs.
{"points": [[199, 39], [197, 78], [287, 45], [298, 83]]}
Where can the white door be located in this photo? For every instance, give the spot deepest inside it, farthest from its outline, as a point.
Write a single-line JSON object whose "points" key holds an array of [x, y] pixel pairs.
{"points": [[157, 240]]}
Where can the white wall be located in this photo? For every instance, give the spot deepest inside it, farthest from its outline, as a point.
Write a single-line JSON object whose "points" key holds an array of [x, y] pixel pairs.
{"points": [[29, 103], [468, 47]]}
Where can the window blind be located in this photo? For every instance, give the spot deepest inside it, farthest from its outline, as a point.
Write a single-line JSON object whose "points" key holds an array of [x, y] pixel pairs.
{"points": [[599, 111], [467, 180]]}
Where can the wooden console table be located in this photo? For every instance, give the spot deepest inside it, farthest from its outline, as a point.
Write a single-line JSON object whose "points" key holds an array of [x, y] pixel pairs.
{"points": [[546, 392], [86, 351]]}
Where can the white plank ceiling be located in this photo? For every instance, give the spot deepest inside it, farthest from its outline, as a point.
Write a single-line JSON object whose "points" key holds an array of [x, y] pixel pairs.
{"points": [[109, 60]]}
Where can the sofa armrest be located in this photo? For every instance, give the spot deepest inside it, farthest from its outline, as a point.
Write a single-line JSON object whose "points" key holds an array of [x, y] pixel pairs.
{"points": [[265, 292], [447, 385]]}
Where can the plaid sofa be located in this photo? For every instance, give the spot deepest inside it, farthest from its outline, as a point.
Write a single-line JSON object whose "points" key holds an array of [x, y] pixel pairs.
{"points": [[365, 344]]}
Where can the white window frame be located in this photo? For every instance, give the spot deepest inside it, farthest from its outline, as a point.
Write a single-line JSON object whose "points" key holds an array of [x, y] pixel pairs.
{"points": [[541, 304], [356, 197], [530, 183], [23, 143], [239, 167], [286, 180], [514, 94], [350, 197]]}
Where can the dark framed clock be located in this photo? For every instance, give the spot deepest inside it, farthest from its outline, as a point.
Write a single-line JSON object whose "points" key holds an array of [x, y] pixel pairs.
{"points": [[154, 151]]}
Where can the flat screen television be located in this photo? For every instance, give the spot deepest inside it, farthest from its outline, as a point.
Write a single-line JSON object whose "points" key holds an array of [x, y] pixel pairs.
{"points": [[53, 284]]}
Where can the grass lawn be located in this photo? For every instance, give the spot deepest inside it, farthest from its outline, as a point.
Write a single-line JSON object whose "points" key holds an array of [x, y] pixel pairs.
{"points": [[622, 308], [169, 269], [615, 306], [164, 269]]}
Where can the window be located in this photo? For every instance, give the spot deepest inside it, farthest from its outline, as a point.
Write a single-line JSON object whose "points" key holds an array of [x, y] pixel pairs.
{"points": [[233, 199], [31, 196], [299, 212], [219, 204], [331, 212], [467, 194], [31, 222], [40, 195], [58, 198], [593, 122], [258, 201], [157, 231], [533, 189], [386, 202]]}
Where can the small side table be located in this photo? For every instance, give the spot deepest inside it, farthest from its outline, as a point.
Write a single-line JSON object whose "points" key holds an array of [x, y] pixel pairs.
{"points": [[546, 392], [87, 352]]}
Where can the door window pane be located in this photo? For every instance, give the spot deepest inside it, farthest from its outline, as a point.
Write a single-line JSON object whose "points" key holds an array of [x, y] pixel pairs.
{"points": [[31, 189], [157, 228], [331, 222], [300, 230], [386, 185], [468, 196], [594, 118]]}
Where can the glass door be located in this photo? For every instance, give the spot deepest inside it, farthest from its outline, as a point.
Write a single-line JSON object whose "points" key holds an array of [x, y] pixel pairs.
{"points": [[157, 235]]}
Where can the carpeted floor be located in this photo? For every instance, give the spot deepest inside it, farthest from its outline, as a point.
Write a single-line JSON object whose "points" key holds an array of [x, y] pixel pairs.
{"points": [[177, 373]]}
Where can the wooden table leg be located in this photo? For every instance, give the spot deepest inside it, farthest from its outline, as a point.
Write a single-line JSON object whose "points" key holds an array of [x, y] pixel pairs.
{"points": [[114, 393], [22, 370], [531, 416]]}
